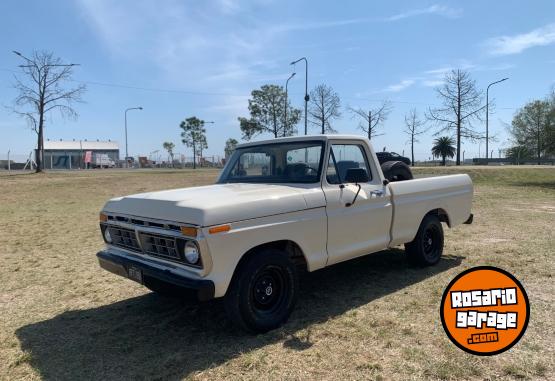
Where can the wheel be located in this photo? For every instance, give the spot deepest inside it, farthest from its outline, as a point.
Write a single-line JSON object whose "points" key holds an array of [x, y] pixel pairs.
{"points": [[427, 246], [263, 291], [396, 171]]}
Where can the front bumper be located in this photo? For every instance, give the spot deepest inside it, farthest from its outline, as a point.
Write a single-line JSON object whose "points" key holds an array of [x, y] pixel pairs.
{"points": [[120, 265]]}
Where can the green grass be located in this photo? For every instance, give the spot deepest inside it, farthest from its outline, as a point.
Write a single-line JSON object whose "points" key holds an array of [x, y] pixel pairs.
{"points": [[61, 317]]}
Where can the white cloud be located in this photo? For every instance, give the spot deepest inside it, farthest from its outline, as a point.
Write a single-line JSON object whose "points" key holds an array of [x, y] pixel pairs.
{"points": [[505, 45], [308, 25], [436, 9], [432, 82], [186, 44], [395, 88]]}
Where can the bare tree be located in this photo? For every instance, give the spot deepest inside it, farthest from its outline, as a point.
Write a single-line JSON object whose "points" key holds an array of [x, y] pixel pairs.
{"points": [[42, 92], [461, 105], [414, 127], [372, 118], [324, 107]]}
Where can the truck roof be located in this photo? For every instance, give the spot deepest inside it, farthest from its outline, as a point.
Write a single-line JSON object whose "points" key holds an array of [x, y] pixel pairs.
{"points": [[302, 138]]}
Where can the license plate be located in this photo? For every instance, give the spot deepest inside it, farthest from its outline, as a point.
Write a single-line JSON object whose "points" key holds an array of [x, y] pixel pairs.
{"points": [[135, 274]]}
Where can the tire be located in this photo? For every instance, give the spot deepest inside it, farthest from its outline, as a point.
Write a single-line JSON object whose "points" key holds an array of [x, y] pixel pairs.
{"points": [[263, 291], [427, 247], [396, 171]]}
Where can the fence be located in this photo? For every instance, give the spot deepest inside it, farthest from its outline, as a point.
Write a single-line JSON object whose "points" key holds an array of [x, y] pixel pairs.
{"points": [[19, 161]]}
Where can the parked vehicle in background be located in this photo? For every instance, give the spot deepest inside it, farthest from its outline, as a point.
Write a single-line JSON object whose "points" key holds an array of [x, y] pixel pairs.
{"points": [[394, 166], [102, 160], [391, 156], [279, 206]]}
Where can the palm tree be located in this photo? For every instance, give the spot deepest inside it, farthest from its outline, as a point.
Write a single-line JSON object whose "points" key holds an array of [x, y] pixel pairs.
{"points": [[443, 147]]}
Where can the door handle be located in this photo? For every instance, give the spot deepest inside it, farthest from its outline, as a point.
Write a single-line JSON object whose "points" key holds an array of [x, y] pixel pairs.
{"points": [[377, 193]]}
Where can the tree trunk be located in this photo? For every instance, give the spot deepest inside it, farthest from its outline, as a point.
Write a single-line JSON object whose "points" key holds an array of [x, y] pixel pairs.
{"points": [[459, 121], [323, 118], [276, 127], [369, 125], [412, 149], [443, 160], [194, 155], [40, 142], [539, 145]]}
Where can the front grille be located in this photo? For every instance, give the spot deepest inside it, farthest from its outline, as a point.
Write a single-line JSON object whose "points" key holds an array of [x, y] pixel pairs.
{"points": [[125, 238], [166, 246], [161, 246], [141, 222]]}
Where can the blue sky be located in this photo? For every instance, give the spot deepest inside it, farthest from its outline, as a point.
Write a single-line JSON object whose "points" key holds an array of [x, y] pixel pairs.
{"points": [[184, 58]]}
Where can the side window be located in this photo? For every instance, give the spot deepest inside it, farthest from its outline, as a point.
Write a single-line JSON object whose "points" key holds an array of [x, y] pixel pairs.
{"points": [[346, 156], [252, 164]]}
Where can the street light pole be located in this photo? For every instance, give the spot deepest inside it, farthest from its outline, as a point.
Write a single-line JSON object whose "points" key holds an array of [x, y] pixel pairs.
{"points": [[487, 112], [306, 97], [285, 120], [126, 152]]}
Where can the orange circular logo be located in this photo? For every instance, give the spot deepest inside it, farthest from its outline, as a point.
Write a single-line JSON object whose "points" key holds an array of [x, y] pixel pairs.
{"points": [[485, 310]]}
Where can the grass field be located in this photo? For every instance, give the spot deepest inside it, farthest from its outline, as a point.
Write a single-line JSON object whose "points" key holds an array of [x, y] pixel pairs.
{"points": [[61, 317]]}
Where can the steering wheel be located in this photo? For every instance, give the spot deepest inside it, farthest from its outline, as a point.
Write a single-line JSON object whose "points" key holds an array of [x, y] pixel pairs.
{"points": [[310, 169]]}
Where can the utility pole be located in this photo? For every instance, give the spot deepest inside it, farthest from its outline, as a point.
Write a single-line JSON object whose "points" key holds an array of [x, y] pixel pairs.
{"points": [[487, 112], [126, 153], [285, 121], [306, 97]]}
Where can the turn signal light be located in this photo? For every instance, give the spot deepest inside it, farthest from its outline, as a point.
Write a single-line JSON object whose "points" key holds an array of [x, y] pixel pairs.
{"points": [[189, 231], [103, 217], [219, 229]]}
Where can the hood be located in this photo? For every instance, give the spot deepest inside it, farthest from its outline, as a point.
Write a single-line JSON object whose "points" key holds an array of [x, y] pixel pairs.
{"points": [[213, 204]]}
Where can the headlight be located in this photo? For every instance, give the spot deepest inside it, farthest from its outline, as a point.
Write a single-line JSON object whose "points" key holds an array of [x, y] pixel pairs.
{"points": [[107, 235], [191, 252]]}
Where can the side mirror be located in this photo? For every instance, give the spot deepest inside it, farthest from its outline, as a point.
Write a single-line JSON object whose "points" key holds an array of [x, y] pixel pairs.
{"points": [[356, 175]]}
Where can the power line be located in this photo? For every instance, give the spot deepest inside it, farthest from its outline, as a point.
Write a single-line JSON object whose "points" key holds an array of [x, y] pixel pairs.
{"points": [[191, 92]]}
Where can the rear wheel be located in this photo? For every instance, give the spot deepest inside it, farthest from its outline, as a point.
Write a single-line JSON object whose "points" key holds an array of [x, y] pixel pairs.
{"points": [[263, 291], [396, 171], [427, 247]]}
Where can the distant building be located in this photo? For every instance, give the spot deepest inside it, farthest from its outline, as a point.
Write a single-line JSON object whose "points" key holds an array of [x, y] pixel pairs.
{"points": [[70, 154]]}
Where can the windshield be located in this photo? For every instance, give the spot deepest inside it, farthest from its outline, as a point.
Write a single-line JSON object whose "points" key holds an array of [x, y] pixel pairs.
{"points": [[295, 162]]}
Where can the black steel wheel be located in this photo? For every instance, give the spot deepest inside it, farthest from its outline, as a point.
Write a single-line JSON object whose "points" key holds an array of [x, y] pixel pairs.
{"points": [[263, 291], [427, 247]]}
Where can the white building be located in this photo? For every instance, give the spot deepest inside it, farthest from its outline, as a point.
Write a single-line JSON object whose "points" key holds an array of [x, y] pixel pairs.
{"points": [[70, 154]]}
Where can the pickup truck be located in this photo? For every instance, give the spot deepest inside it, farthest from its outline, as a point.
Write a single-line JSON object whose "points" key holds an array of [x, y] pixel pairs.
{"points": [[279, 207]]}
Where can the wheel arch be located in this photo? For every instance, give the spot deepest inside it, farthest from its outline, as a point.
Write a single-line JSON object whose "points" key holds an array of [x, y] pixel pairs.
{"points": [[440, 213], [291, 248]]}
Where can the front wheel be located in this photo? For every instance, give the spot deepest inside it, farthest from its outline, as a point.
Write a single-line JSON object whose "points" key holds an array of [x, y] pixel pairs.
{"points": [[263, 292], [427, 247]]}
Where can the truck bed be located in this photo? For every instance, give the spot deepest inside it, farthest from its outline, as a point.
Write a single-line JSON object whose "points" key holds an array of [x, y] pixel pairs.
{"points": [[412, 199]]}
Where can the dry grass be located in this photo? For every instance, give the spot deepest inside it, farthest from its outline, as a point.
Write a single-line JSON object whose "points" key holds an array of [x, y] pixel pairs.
{"points": [[372, 318]]}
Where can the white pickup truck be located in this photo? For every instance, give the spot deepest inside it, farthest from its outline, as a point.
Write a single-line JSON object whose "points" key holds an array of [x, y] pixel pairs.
{"points": [[278, 206]]}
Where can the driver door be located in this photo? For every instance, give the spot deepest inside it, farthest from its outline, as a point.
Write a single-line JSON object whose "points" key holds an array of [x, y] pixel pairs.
{"points": [[363, 227]]}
